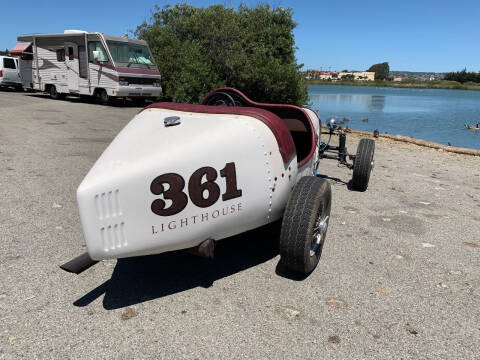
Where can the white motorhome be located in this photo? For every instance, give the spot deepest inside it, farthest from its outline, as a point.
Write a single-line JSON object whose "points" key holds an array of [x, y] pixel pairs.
{"points": [[80, 63]]}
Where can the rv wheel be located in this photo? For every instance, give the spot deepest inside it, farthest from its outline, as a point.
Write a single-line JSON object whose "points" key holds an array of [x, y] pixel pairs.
{"points": [[305, 224], [104, 98], [53, 93]]}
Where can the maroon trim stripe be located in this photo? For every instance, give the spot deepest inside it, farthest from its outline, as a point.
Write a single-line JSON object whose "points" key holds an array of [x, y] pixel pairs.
{"points": [[137, 71], [129, 71]]}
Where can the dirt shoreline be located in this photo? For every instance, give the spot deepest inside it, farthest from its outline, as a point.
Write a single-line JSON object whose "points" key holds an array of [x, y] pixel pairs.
{"points": [[418, 142]]}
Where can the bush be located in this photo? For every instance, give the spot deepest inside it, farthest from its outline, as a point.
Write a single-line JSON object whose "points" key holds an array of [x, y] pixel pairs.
{"points": [[251, 49]]}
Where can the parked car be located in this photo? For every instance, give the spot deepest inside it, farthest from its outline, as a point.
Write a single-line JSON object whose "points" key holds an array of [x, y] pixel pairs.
{"points": [[183, 176], [9, 72]]}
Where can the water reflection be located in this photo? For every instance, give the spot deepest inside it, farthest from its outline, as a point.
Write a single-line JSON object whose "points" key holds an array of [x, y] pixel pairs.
{"points": [[368, 102], [377, 102]]}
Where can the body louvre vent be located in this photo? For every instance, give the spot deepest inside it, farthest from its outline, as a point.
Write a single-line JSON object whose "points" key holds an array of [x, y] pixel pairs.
{"points": [[107, 204], [113, 236]]}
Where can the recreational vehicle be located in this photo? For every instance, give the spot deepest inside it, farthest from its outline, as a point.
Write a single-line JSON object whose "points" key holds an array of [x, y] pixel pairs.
{"points": [[93, 64]]}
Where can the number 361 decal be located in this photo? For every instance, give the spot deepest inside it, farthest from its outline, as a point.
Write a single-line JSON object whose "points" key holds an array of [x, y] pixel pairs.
{"points": [[196, 189]]}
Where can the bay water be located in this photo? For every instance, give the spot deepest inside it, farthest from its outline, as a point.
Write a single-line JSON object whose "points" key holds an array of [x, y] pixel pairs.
{"points": [[431, 114]]}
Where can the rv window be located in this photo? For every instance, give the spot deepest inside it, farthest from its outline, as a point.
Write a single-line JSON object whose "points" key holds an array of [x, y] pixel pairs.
{"points": [[70, 53], [130, 53], [60, 54], [97, 46], [9, 63]]}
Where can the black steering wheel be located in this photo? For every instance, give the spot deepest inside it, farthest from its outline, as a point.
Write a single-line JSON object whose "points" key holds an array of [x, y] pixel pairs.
{"points": [[221, 98]]}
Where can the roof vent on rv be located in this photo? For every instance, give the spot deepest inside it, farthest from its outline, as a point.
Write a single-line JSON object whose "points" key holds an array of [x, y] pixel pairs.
{"points": [[74, 32]]}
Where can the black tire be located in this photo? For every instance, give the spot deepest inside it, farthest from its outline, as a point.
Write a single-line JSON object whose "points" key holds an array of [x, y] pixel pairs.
{"points": [[103, 96], [85, 98], [19, 88], [139, 101], [363, 164], [53, 92], [308, 207]]}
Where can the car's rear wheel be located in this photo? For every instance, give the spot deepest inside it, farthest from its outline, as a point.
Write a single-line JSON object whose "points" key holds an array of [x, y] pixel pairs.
{"points": [[363, 164], [305, 224]]}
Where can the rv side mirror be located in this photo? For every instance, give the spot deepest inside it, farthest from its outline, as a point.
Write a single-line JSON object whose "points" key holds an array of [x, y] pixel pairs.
{"points": [[96, 55]]}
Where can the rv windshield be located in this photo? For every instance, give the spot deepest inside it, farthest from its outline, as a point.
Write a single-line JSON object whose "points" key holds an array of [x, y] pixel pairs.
{"points": [[124, 52]]}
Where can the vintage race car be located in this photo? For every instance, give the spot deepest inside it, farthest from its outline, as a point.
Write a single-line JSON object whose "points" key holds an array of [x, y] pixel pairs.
{"points": [[182, 176]]}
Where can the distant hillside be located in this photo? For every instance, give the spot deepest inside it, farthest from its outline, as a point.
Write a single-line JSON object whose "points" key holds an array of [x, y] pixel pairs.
{"points": [[417, 75]]}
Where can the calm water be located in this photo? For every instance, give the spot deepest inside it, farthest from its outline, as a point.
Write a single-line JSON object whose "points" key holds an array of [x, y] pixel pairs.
{"points": [[435, 115]]}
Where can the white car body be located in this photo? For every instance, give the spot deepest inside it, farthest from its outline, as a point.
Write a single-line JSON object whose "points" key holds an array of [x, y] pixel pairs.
{"points": [[228, 170], [9, 72]]}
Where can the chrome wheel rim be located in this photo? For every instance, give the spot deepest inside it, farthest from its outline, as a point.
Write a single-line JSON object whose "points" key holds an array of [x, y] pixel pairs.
{"points": [[319, 233]]}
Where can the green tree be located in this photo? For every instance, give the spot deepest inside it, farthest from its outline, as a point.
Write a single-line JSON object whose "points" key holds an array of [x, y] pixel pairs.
{"points": [[463, 76], [382, 71], [252, 49]]}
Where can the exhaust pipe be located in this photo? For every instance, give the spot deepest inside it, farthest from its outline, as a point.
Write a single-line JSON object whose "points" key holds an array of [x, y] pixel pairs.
{"points": [[79, 264]]}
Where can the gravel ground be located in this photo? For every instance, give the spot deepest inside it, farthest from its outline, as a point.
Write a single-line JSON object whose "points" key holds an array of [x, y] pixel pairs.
{"points": [[399, 276]]}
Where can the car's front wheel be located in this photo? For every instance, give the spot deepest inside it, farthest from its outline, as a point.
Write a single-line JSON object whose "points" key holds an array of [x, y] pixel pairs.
{"points": [[305, 224], [363, 164]]}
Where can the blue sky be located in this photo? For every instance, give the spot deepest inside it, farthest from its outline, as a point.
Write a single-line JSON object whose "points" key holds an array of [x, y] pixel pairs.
{"points": [[411, 35]]}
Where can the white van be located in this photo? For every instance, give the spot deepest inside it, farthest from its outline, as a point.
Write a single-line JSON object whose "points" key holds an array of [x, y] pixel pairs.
{"points": [[9, 72]]}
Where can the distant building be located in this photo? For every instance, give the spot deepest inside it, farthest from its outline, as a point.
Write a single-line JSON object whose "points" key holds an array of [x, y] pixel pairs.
{"points": [[424, 76], [334, 76], [398, 79], [358, 75], [318, 75]]}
